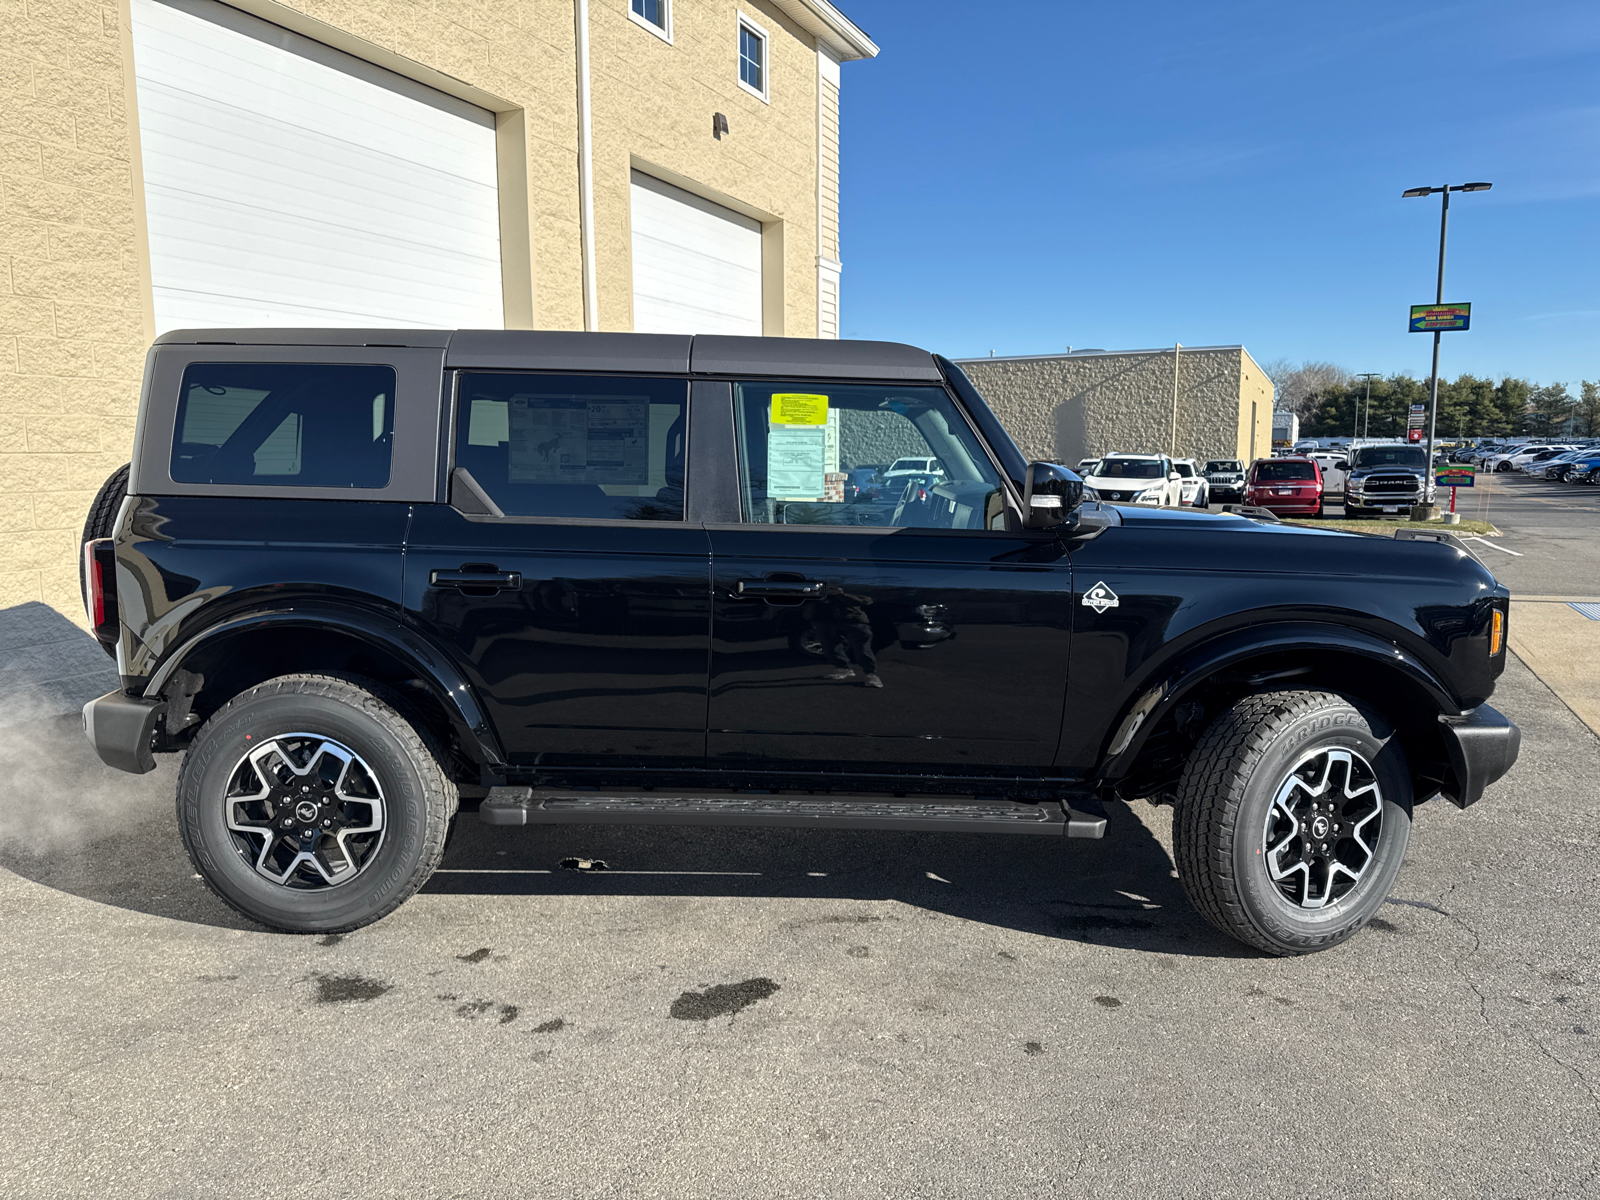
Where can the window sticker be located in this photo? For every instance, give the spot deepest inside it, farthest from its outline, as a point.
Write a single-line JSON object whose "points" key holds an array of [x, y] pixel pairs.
{"points": [[802, 447], [798, 408], [579, 439], [797, 462]]}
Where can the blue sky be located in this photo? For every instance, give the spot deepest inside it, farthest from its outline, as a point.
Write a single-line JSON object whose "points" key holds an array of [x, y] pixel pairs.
{"points": [[1027, 176]]}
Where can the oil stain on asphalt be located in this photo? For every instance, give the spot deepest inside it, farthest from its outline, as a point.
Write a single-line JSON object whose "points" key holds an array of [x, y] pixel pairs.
{"points": [[343, 989], [723, 1000]]}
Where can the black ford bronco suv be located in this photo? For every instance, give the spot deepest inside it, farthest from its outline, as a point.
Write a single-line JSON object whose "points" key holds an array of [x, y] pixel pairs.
{"points": [[364, 578]]}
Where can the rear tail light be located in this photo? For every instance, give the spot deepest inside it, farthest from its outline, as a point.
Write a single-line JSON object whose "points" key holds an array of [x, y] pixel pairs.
{"points": [[100, 588], [1497, 632]]}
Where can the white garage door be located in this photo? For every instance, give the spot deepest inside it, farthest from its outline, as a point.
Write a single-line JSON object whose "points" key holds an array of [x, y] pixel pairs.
{"points": [[696, 265], [287, 183]]}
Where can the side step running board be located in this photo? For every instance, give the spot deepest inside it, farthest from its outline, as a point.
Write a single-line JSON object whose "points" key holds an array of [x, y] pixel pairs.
{"points": [[554, 806]]}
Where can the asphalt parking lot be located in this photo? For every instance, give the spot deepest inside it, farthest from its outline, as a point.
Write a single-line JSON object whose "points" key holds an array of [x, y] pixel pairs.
{"points": [[768, 1013]]}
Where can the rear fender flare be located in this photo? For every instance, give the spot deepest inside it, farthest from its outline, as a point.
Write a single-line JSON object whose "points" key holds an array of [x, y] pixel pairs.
{"points": [[441, 676], [1173, 682]]}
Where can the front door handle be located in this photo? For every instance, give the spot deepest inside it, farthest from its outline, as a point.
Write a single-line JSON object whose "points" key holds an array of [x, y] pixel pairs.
{"points": [[778, 589], [487, 578]]}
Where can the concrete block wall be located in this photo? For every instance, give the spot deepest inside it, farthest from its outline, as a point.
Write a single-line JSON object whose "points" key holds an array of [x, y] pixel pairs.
{"points": [[652, 110], [1070, 407], [72, 296]]}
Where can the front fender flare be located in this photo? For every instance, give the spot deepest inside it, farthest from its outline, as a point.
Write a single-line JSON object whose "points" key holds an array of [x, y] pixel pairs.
{"points": [[448, 686], [1172, 681]]}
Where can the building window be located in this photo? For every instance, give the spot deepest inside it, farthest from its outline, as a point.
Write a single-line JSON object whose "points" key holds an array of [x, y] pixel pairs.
{"points": [[752, 57], [654, 15]]}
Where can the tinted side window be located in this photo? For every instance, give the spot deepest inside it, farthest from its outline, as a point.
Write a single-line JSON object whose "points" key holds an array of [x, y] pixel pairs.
{"points": [[800, 444], [285, 425], [575, 445]]}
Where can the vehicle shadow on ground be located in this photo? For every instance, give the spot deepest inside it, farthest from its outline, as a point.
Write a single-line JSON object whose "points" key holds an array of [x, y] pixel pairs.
{"points": [[70, 823], [1120, 891], [92, 832]]}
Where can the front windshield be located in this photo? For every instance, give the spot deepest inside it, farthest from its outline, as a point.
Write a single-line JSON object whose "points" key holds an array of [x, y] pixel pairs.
{"points": [[1184, 469], [1389, 456], [1224, 464], [1285, 470], [1130, 468]]}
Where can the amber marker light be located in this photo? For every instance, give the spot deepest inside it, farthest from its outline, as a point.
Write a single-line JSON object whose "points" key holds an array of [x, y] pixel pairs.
{"points": [[1497, 632]]}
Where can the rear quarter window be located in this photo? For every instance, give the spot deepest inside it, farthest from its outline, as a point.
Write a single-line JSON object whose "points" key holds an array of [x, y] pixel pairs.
{"points": [[326, 425]]}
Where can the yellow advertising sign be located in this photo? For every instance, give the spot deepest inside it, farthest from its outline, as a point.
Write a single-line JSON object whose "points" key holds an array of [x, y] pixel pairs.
{"points": [[797, 408]]}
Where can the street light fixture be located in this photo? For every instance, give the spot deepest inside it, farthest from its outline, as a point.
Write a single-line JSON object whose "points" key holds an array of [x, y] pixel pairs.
{"points": [[1433, 399], [1369, 376]]}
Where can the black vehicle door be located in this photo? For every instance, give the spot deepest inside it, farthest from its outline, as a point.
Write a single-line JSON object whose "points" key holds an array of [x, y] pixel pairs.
{"points": [[563, 574], [902, 630]]}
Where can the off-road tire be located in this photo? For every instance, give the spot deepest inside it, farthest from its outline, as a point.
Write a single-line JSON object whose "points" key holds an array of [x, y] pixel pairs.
{"points": [[102, 523], [1224, 799], [419, 797]]}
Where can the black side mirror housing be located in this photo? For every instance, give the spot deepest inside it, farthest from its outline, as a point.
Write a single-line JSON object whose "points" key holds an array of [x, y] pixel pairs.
{"points": [[1342, 465], [1052, 497]]}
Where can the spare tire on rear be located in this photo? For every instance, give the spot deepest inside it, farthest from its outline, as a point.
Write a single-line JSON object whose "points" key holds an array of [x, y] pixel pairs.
{"points": [[102, 522]]}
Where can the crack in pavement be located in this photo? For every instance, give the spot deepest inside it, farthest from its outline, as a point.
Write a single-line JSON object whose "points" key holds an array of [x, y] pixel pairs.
{"points": [[1459, 966]]}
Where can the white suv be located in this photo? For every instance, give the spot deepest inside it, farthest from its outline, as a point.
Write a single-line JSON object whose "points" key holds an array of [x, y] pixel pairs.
{"points": [[1194, 491], [1148, 479]]}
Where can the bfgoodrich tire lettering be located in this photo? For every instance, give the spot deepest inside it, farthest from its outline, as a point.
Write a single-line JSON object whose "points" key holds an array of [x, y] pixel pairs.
{"points": [[1234, 791], [417, 804]]}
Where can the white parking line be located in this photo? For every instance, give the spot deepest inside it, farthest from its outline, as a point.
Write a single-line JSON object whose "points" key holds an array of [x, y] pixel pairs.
{"points": [[1472, 537]]}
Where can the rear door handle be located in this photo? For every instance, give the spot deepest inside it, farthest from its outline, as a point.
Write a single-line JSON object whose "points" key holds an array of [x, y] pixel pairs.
{"points": [[778, 589], [475, 577]]}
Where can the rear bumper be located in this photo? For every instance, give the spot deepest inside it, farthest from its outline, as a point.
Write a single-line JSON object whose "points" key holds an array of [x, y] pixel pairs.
{"points": [[121, 729], [1298, 509], [1482, 747]]}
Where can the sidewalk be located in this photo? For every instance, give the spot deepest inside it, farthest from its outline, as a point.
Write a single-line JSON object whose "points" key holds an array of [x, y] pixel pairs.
{"points": [[1562, 647]]}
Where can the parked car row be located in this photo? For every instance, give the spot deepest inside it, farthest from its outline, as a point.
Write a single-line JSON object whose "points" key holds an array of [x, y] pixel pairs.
{"points": [[1519, 456], [1571, 466], [1378, 479]]}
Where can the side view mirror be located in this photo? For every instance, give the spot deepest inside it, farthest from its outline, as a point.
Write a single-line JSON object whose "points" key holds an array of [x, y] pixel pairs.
{"points": [[1342, 465], [1052, 496]]}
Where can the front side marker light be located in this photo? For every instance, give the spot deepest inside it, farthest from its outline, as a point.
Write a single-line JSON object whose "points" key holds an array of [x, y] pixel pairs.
{"points": [[1497, 632]]}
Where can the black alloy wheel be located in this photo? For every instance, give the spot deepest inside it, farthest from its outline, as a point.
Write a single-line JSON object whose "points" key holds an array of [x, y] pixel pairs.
{"points": [[1292, 820], [311, 805]]}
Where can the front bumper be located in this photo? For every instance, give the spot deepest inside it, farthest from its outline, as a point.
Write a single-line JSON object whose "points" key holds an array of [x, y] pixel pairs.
{"points": [[1378, 502], [1483, 747], [122, 729]]}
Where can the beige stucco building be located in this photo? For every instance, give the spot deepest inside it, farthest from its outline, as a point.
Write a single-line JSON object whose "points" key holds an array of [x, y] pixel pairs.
{"points": [[1192, 402], [655, 165]]}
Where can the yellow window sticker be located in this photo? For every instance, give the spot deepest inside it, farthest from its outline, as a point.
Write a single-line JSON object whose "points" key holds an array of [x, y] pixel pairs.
{"points": [[797, 408]]}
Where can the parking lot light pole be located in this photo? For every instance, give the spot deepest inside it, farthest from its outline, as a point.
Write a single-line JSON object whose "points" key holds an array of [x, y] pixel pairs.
{"points": [[1433, 401], [1369, 376]]}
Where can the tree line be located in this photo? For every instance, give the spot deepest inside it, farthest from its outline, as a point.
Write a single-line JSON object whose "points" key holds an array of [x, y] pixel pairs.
{"points": [[1330, 401]]}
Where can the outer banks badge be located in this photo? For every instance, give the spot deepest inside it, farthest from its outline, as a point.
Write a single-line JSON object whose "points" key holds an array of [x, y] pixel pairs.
{"points": [[1100, 598]]}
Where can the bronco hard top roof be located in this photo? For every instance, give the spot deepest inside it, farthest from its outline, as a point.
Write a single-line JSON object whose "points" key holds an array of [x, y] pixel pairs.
{"points": [[657, 353]]}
